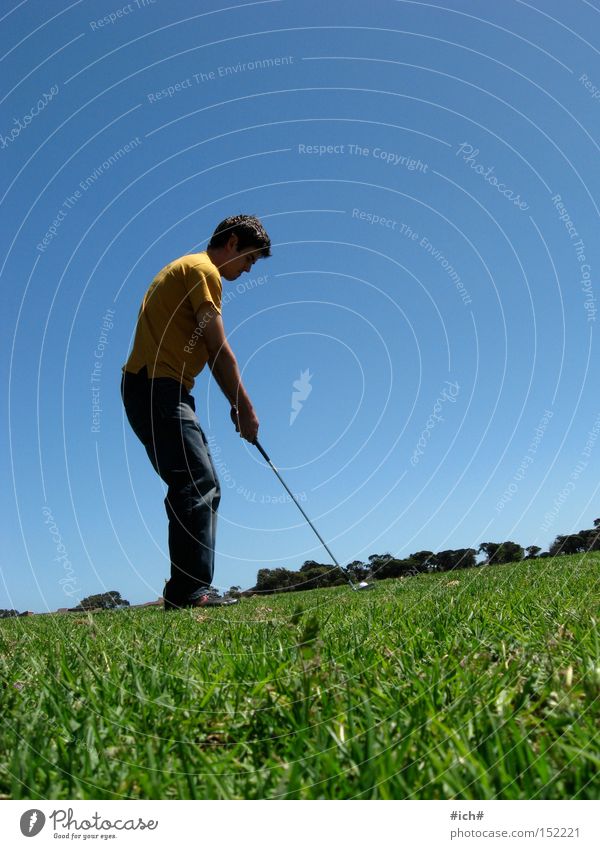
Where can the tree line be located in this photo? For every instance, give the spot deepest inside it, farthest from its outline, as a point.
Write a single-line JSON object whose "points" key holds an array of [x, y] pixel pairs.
{"points": [[110, 600], [313, 575]]}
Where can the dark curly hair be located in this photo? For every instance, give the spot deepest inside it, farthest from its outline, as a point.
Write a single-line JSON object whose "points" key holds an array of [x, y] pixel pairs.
{"points": [[248, 229]]}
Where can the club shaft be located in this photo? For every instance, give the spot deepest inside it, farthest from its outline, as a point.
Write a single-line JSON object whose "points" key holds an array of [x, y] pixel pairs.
{"points": [[295, 500]]}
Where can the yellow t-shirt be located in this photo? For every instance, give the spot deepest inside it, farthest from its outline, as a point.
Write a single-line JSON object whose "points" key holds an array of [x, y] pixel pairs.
{"points": [[168, 340]]}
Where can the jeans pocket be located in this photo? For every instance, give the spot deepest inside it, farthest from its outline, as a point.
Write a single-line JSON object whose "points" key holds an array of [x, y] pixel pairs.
{"points": [[170, 400]]}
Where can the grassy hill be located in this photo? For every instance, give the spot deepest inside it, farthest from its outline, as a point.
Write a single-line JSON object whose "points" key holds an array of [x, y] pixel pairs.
{"points": [[481, 683]]}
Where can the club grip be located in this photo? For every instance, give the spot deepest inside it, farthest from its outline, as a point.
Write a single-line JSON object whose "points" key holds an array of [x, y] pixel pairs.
{"points": [[262, 450]]}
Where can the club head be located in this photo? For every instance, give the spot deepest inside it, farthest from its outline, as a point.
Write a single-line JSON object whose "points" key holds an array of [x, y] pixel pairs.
{"points": [[363, 586]]}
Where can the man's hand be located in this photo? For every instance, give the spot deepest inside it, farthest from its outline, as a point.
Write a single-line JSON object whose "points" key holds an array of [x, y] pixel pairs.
{"points": [[246, 422]]}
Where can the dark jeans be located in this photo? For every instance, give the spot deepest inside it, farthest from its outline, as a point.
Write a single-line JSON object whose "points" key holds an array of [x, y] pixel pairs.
{"points": [[162, 414]]}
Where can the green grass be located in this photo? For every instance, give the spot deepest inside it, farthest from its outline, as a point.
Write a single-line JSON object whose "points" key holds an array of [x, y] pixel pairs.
{"points": [[477, 684]]}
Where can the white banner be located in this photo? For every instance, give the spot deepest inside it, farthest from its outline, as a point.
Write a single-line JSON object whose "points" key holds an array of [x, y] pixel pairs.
{"points": [[289, 824]]}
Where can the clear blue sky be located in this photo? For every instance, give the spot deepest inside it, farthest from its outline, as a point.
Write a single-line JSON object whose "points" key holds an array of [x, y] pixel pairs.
{"points": [[459, 122]]}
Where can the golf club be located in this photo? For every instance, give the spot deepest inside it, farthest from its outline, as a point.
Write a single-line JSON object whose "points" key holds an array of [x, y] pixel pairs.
{"points": [[356, 587]]}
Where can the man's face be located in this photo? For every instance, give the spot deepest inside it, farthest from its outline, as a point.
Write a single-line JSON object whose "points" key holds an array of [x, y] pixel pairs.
{"points": [[240, 261]]}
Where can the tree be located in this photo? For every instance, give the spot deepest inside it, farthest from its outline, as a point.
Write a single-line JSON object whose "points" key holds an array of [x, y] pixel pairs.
{"points": [[590, 538], [105, 601], [461, 558], [510, 552], [308, 565], [377, 564], [313, 575], [423, 561], [532, 552], [568, 544], [7, 614], [585, 540], [394, 568], [319, 576], [490, 550], [358, 570], [593, 537], [501, 552], [275, 580]]}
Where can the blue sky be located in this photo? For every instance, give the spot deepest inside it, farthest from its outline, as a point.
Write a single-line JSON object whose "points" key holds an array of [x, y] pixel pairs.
{"points": [[426, 174]]}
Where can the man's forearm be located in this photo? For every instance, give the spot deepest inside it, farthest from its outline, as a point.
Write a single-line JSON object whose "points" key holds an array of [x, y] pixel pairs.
{"points": [[226, 372]]}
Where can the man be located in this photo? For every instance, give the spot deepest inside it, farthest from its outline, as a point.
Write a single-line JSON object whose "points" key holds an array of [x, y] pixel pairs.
{"points": [[179, 331]]}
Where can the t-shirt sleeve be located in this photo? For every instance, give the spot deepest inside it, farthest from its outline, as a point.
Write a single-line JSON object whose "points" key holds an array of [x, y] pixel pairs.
{"points": [[202, 287]]}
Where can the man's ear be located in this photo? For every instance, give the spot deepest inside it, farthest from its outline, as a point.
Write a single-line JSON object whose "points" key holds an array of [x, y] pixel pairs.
{"points": [[232, 242]]}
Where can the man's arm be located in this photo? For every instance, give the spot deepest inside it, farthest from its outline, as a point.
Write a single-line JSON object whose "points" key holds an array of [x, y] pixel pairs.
{"points": [[223, 365]]}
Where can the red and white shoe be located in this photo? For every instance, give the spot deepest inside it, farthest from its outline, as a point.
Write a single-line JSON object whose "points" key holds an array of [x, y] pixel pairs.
{"points": [[208, 601]]}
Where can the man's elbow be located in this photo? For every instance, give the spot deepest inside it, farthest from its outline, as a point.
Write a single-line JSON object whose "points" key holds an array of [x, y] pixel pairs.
{"points": [[217, 351]]}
